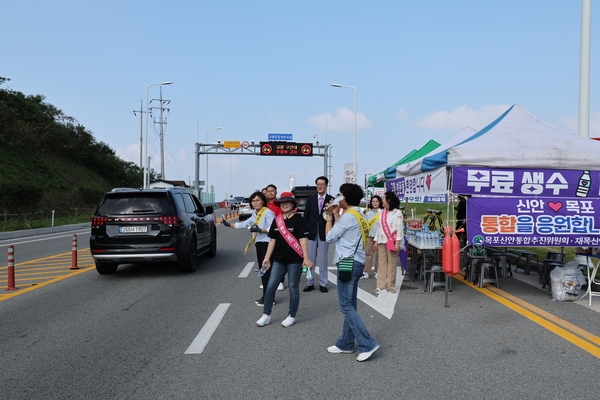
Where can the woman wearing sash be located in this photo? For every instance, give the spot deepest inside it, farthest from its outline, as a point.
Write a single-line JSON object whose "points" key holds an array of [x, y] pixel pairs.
{"points": [[388, 242], [259, 224], [372, 217], [288, 249], [349, 233]]}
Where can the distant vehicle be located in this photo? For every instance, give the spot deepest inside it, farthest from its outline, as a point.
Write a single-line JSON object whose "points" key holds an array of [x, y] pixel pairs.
{"points": [[151, 225], [245, 209], [302, 193], [235, 202]]}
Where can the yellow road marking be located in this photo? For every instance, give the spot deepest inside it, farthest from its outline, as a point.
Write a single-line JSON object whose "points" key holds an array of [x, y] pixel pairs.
{"points": [[33, 274], [579, 337]]}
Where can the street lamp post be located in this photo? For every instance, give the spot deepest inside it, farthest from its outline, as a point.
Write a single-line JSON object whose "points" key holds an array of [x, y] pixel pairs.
{"points": [[354, 169], [147, 169], [212, 129]]}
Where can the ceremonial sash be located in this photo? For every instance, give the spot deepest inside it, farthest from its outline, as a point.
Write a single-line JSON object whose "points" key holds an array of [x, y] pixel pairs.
{"points": [[259, 216], [391, 237], [362, 224], [287, 235], [374, 220]]}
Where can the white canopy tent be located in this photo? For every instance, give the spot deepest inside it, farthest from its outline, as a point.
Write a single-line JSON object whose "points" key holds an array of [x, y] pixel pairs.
{"points": [[518, 139]]}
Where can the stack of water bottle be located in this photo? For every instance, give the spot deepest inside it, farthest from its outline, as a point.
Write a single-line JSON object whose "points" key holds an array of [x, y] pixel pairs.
{"points": [[428, 238]]}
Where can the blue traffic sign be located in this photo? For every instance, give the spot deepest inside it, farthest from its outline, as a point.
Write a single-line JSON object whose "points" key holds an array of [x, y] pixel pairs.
{"points": [[280, 136]]}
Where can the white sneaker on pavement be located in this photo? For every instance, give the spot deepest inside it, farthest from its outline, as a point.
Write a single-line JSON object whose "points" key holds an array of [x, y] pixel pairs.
{"points": [[264, 320], [365, 356], [289, 321], [336, 350], [365, 275], [280, 287]]}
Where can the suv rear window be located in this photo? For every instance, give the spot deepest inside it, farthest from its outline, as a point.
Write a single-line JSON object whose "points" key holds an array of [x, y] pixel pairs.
{"points": [[134, 204]]}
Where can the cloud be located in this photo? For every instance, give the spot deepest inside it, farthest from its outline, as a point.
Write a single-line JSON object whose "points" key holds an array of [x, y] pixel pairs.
{"points": [[571, 124], [130, 153], [402, 115], [456, 119], [343, 121]]}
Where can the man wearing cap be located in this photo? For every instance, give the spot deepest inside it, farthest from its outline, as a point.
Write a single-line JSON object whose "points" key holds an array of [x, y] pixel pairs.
{"points": [[313, 216]]}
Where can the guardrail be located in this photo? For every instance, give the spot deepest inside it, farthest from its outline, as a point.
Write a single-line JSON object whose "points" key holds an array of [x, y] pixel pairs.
{"points": [[43, 231]]}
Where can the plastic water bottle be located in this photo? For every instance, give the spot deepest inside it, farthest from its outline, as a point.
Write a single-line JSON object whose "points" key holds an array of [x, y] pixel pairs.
{"points": [[261, 272], [307, 271]]}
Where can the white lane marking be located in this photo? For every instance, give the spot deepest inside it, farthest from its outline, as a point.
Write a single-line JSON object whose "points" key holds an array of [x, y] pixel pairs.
{"points": [[385, 302], [201, 340], [246, 271], [14, 241]]}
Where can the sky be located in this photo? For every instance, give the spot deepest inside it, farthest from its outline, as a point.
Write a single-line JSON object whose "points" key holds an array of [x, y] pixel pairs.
{"points": [[422, 71]]}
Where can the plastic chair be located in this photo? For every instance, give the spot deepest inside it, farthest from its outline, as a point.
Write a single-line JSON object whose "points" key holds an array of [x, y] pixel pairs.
{"points": [[548, 267], [429, 282], [503, 262], [490, 267], [528, 256], [550, 257]]}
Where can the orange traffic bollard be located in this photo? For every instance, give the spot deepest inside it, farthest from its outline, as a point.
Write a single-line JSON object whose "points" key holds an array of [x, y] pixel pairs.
{"points": [[11, 268], [74, 253]]}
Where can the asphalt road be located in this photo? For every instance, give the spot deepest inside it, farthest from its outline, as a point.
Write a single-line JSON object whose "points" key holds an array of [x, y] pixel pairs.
{"points": [[125, 337]]}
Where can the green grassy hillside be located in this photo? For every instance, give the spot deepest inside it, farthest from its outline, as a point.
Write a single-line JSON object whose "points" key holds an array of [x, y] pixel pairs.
{"points": [[49, 162]]}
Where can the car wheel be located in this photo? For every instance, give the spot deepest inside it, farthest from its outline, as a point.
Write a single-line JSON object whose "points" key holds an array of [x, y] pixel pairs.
{"points": [[106, 268], [189, 265], [213, 246]]}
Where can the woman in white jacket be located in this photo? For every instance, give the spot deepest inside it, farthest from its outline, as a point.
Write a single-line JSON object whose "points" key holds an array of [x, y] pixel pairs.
{"points": [[388, 242]]}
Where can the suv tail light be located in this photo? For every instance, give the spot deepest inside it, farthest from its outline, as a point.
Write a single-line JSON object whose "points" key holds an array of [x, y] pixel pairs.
{"points": [[171, 220], [99, 221]]}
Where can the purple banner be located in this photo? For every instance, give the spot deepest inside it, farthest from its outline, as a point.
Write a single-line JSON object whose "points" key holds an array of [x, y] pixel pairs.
{"points": [[526, 182], [509, 221]]}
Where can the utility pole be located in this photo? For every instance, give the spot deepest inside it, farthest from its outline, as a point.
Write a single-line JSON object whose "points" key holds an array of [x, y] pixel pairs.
{"points": [[141, 111], [161, 122]]}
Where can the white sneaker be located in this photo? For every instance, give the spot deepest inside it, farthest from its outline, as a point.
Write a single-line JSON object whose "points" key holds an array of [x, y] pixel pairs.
{"points": [[365, 356], [336, 350], [289, 321], [375, 275], [280, 287], [365, 275], [264, 320], [260, 287]]}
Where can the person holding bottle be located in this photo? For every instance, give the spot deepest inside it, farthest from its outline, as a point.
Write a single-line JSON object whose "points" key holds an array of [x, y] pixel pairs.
{"points": [[349, 234], [259, 224], [288, 248], [389, 239], [372, 217]]}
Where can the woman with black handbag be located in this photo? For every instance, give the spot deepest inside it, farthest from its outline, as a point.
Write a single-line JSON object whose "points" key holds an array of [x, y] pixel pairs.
{"points": [[349, 233]]}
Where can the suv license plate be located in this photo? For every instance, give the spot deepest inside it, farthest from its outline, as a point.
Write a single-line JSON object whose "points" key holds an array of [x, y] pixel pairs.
{"points": [[133, 229]]}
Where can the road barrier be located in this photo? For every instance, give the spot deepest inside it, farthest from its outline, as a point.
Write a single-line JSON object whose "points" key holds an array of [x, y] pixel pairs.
{"points": [[11, 268], [74, 253]]}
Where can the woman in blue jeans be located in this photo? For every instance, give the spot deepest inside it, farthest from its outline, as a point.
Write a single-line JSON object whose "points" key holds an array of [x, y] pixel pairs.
{"points": [[349, 233], [289, 251]]}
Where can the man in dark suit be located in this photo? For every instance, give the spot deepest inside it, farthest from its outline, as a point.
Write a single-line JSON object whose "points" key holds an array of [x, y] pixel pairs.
{"points": [[316, 234]]}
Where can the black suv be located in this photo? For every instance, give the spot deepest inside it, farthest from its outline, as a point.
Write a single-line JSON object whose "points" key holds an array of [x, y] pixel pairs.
{"points": [[302, 193], [151, 225]]}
